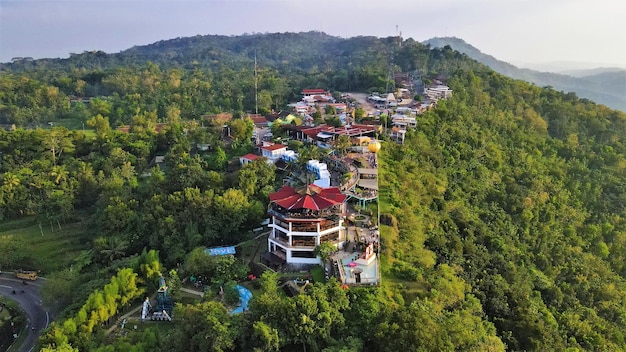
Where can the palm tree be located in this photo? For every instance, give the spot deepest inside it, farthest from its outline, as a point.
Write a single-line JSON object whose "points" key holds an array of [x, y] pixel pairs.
{"points": [[324, 251], [342, 144], [112, 248]]}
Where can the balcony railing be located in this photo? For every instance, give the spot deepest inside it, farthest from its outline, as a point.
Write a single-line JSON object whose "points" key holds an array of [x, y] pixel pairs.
{"points": [[330, 237], [303, 214], [328, 224], [303, 243], [280, 239]]}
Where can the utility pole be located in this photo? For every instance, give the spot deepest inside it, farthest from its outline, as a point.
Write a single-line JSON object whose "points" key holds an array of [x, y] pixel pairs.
{"points": [[256, 87]]}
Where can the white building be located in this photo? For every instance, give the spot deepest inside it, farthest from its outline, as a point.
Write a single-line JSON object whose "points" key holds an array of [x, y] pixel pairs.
{"points": [[301, 220], [273, 151]]}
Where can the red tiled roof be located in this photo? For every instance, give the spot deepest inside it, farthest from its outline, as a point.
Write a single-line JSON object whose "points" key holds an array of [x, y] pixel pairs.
{"points": [[273, 147], [312, 197], [250, 157], [258, 120]]}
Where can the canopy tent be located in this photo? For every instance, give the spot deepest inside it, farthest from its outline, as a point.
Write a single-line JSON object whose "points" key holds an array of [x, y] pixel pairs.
{"points": [[312, 197]]}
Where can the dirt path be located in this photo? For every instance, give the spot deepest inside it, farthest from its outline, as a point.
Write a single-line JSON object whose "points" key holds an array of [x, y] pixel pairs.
{"points": [[361, 99], [121, 319]]}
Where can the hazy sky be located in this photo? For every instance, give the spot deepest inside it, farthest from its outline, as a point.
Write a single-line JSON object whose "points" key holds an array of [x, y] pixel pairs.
{"points": [[517, 31]]}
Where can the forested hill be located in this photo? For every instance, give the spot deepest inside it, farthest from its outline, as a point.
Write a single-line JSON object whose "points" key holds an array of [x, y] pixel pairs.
{"points": [[302, 50], [502, 215], [608, 88], [219, 70]]}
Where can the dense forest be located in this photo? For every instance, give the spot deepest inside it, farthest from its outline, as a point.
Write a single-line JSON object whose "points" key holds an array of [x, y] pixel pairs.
{"points": [[502, 213]]}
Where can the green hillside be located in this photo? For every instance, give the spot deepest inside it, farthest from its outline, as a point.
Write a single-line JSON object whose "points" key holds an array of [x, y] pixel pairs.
{"points": [[608, 88], [502, 214]]}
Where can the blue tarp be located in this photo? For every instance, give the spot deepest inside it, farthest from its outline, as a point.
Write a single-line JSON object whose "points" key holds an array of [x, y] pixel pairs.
{"points": [[244, 297], [220, 250]]}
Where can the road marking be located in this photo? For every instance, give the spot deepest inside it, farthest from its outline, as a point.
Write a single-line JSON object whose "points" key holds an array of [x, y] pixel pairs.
{"points": [[29, 282], [6, 286], [47, 319]]}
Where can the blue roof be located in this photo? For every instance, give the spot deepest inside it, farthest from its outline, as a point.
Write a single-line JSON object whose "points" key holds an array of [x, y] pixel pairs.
{"points": [[220, 250]]}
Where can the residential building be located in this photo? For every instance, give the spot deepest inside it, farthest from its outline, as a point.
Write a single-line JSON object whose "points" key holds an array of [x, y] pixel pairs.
{"points": [[314, 91], [438, 92], [404, 121], [248, 158], [320, 170], [272, 151]]}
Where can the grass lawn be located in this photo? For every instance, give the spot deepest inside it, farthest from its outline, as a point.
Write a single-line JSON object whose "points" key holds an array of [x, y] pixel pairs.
{"points": [[52, 251], [73, 125], [5, 315], [317, 272]]}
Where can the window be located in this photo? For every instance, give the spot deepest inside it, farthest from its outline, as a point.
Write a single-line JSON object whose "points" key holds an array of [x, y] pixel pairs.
{"points": [[303, 254]]}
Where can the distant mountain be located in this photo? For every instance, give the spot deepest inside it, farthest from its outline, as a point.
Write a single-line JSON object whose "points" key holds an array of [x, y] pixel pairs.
{"points": [[564, 67], [593, 71], [608, 87]]}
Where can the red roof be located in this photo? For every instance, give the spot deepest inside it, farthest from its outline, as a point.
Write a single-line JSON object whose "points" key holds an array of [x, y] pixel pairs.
{"points": [[259, 120], [273, 147], [250, 157], [313, 131], [312, 197], [313, 91]]}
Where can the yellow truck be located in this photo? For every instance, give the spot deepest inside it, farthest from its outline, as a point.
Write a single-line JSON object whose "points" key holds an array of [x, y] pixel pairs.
{"points": [[26, 275]]}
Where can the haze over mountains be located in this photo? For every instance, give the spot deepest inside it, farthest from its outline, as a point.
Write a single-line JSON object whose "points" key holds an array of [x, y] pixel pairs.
{"points": [[603, 85]]}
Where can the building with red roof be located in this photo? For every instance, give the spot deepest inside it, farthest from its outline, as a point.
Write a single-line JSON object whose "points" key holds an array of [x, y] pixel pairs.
{"points": [[258, 120], [248, 158], [272, 151], [314, 91], [301, 220]]}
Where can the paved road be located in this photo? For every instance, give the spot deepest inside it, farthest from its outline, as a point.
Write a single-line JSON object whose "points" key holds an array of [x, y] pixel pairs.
{"points": [[30, 301]]}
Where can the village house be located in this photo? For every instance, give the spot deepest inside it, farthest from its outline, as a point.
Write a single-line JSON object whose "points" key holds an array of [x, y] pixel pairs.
{"points": [[248, 158], [272, 151], [314, 91], [438, 92]]}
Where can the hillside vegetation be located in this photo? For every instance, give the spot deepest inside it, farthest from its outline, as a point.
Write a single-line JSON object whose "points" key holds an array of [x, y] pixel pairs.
{"points": [[502, 214], [608, 87], [520, 189]]}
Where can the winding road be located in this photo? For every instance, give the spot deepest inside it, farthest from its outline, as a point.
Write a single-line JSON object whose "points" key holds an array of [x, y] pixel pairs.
{"points": [[30, 302]]}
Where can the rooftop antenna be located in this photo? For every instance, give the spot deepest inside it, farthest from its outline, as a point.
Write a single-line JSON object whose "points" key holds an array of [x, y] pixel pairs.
{"points": [[256, 87]]}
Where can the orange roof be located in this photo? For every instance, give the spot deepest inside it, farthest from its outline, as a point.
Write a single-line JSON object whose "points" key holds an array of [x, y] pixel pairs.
{"points": [[273, 147]]}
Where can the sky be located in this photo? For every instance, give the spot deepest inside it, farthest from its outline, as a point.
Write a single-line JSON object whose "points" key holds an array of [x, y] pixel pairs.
{"points": [[517, 31]]}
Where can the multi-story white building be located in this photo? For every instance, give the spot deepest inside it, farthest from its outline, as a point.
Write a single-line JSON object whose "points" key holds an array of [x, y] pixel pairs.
{"points": [[272, 151], [302, 219]]}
